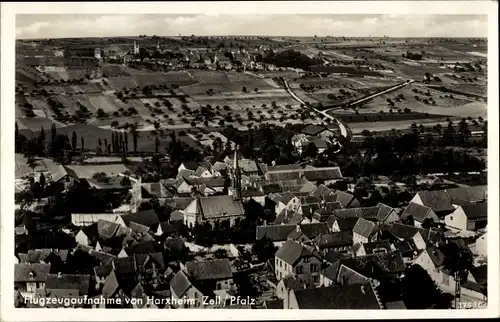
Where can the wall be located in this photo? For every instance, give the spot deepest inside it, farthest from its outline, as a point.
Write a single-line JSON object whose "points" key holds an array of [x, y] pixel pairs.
{"points": [[456, 219], [307, 274], [482, 245], [81, 238], [356, 238]]}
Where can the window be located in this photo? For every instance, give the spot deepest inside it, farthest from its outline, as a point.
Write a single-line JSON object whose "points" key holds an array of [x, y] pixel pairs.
{"points": [[314, 268], [307, 259], [299, 269], [446, 279], [316, 279]]}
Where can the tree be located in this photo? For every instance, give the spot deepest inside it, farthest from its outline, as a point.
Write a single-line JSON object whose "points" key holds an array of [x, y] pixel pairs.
{"points": [[264, 249], [74, 140], [420, 292], [157, 144], [220, 253], [311, 151]]}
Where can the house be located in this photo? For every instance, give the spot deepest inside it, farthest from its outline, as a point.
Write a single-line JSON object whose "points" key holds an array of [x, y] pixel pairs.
{"points": [[291, 282], [378, 247], [339, 242], [420, 237], [336, 224], [62, 174], [431, 259], [147, 218], [482, 245], [348, 297], [317, 131], [419, 214], [467, 195], [248, 167], [307, 232], [181, 287], [437, 200], [470, 217], [73, 285], [30, 278], [213, 208], [83, 220], [299, 141], [276, 233], [295, 259], [219, 169], [327, 175], [211, 275], [364, 231], [188, 165]]}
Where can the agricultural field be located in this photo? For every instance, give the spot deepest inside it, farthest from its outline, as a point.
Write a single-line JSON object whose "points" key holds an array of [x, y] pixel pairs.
{"points": [[142, 78]]}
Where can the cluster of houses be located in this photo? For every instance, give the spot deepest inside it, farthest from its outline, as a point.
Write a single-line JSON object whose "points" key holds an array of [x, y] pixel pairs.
{"points": [[223, 58], [333, 253]]}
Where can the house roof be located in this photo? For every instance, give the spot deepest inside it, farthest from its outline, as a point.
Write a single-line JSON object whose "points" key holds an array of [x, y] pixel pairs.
{"points": [[125, 266], [365, 228], [465, 195], [347, 276], [110, 285], [396, 305], [141, 248], [384, 211], [34, 255], [476, 211], [437, 200], [138, 228], [436, 255], [313, 129], [312, 230], [220, 206], [60, 171], [335, 239], [39, 272], [416, 211], [156, 189], [371, 247], [284, 175], [347, 199], [274, 232], [480, 274], [365, 212], [180, 284], [219, 166], [144, 217], [68, 281], [291, 282], [338, 297], [292, 251], [321, 191], [345, 224], [190, 165], [282, 167], [106, 229], [210, 269]]}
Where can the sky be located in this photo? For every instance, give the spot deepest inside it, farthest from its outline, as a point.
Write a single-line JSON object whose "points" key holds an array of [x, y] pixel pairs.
{"points": [[86, 25]]}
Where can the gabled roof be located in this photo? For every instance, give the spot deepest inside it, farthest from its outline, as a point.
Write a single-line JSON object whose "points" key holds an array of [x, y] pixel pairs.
{"points": [[209, 269], [291, 282], [338, 297], [144, 217], [220, 206], [365, 228], [313, 129], [60, 172], [34, 255], [437, 200], [480, 274], [416, 211], [476, 211], [138, 228], [436, 255], [321, 191], [141, 248], [180, 284], [68, 281], [125, 266], [384, 211], [365, 212], [373, 246], [190, 165], [312, 230], [465, 195], [106, 229], [110, 285], [347, 199], [274, 232], [282, 167], [335, 239], [328, 173], [291, 252], [36, 272], [345, 224]]}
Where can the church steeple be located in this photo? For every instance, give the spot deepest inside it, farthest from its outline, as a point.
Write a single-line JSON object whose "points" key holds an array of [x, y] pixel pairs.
{"points": [[236, 177]]}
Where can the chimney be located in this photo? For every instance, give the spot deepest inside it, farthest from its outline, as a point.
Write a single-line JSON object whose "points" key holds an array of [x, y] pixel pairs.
{"points": [[59, 274], [363, 290], [297, 229]]}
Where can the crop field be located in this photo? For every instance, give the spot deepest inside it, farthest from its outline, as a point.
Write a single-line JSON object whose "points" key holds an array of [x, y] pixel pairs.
{"points": [[179, 78], [106, 103], [240, 77], [120, 82], [217, 88], [114, 70], [209, 76]]}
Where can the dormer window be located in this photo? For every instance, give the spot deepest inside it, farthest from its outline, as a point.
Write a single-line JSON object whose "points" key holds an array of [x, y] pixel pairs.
{"points": [[31, 274]]}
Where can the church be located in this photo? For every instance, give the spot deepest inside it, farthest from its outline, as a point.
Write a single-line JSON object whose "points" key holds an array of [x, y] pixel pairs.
{"points": [[218, 208]]}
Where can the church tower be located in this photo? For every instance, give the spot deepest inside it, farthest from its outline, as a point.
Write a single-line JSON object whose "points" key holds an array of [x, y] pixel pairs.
{"points": [[136, 48], [236, 177]]}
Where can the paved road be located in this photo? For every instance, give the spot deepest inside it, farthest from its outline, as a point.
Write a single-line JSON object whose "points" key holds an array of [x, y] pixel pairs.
{"points": [[367, 98], [344, 130]]}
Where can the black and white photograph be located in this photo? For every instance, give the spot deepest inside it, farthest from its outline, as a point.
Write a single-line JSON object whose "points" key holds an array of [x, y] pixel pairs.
{"points": [[265, 161]]}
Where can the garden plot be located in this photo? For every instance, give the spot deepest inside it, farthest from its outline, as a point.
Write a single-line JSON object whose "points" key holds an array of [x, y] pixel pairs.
{"points": [[240, 77], [70, 103], [36, 123], [118, 83], [142, 111], [106, 103], [57, 72]]}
